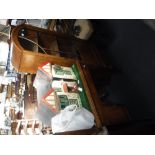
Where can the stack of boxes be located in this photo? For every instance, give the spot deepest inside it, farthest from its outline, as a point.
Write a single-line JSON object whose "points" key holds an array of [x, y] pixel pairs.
{"points": [[64, 87]]}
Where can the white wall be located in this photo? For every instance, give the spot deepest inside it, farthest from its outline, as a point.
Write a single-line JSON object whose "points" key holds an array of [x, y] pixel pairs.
{"points": [[3, 21], [4, 50]]}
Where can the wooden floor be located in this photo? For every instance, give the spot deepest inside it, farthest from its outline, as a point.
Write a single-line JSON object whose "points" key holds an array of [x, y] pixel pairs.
{"points": [[30, 102]]}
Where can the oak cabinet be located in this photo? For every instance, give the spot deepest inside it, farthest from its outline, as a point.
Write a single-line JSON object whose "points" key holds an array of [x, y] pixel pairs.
{"points": [[31, 46]]}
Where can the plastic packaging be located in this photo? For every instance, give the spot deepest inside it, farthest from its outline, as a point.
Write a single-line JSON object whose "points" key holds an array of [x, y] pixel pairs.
{"points": [[71, 119]]}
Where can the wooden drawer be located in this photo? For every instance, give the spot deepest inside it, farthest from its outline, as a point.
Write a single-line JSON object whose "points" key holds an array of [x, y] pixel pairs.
{"points": [[91, 96]]}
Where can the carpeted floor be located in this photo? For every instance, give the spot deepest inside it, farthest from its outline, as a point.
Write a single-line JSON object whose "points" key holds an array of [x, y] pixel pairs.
{"points": [[130, 47]]}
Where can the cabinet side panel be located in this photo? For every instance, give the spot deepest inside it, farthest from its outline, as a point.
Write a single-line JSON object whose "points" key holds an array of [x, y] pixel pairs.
{"points": [[30, 61], [16, 57]]}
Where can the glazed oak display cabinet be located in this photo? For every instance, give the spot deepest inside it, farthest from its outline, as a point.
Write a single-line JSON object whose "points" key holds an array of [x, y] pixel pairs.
{"points": [[31, 46]]}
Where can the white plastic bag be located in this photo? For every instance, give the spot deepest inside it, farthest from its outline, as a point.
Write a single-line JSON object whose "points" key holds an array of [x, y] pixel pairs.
{"points": [[72, 118]]}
